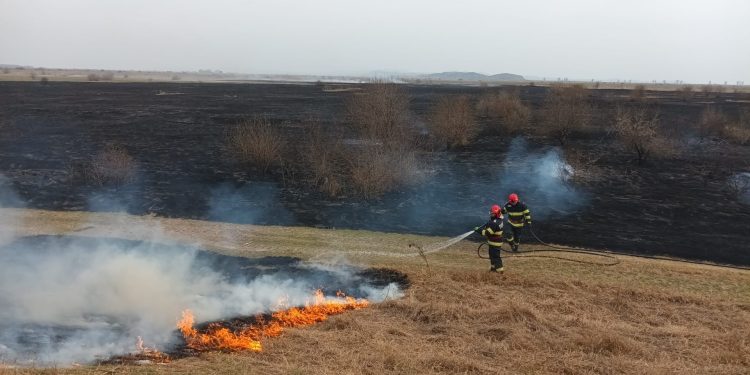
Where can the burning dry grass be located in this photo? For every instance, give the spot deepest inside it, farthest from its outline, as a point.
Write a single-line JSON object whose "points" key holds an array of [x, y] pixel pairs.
{"points": [[545, 317], [218, 337]]}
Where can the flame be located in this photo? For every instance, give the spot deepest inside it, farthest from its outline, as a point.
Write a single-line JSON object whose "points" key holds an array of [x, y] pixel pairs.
{"points": [[221, 338]]}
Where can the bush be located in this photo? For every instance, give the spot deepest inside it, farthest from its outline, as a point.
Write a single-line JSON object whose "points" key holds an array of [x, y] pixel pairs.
{"points": [[44, 81], [93, 77], [712, 123], [508, 113], [566, 110], [107, 76], [637, 130], [452, 121], [737, 134], [110, 166], [638, 93], [380, 170], [381, 113], [686, 92], [257, 142], [324, 160]]}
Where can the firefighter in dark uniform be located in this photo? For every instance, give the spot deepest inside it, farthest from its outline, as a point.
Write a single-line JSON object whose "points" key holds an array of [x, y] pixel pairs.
{"points": [[518, 216], [493, 231]]}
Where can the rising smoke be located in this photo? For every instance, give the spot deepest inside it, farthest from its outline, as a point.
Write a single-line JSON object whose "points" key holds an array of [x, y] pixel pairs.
{"points": [[461, 188], [68, 299]]}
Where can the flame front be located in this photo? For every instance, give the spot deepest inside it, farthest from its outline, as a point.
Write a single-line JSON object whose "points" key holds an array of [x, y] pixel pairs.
{"points": [[221, 338]]}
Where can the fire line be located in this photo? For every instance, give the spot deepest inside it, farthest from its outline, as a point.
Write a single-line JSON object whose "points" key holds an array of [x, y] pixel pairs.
{"points": [[221, 338]]}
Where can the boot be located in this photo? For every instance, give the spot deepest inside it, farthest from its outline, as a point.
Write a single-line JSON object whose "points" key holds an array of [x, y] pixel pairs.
{"points": [[514, 247], [493, 269]]}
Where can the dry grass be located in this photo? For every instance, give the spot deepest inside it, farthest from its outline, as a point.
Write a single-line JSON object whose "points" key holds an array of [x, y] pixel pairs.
{"points": [[509, 114], [452, 121], [545, 317], [257, 142], [566, 110]]}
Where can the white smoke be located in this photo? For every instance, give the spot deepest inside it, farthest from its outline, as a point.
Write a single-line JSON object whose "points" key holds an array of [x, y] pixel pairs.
{"points": [[68, 299], [540, 178]]}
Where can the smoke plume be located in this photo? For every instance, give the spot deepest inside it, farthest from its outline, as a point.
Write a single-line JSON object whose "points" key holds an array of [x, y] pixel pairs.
{"points": [[65, 299]]}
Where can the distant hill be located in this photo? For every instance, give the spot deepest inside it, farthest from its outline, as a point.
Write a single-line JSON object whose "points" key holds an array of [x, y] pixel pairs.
{"points": [[474, 76]]}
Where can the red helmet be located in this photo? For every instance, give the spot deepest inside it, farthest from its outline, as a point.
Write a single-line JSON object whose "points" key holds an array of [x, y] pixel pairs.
{"points": [[495, 211], [513, 198]]}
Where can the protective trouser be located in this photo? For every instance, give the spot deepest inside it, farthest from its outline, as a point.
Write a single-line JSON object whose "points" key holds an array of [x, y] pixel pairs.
{"points": [[516, 234], [495, 260]]}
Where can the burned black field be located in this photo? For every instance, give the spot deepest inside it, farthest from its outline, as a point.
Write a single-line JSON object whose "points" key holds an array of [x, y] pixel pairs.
{"points": [[177, 134]]}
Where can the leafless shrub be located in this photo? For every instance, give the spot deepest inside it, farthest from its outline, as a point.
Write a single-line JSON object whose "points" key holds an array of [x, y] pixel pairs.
{"points": [[711, 90], [638, 93], [712, 122], [380, 112], [452, 121], [325, 160], [44, 81], [686, 92], [637, 130], [93, 77], [176, 77], [6, 71], [257, 142], [379, 170], [737, 134], [109, 76], [566, 110], [508, 113], [33, 75], [112, 166]]}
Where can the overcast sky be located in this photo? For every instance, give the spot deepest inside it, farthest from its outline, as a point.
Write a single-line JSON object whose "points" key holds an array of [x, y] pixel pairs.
{"points": [[694, 41]]}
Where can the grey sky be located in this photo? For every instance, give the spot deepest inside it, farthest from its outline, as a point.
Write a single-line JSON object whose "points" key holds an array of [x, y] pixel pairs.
{"points": [[695, 41]]}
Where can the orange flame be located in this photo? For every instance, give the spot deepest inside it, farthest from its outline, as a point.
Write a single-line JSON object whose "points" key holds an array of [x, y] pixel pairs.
{"points": [[221, 338]]}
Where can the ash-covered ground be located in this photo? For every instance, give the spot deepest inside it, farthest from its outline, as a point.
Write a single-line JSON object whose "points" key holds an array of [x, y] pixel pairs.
{"points": [[177, 134]]}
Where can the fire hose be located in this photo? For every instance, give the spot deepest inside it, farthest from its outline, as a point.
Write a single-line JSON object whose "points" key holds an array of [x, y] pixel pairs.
{"points": [[607, 254]]}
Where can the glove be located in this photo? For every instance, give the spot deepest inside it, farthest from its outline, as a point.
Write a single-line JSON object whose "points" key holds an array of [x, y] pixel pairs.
{"points": [[478, 230]]}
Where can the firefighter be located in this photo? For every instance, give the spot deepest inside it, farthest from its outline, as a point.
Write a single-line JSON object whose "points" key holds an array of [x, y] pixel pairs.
{"points": [[493, 230], [518, 216]]}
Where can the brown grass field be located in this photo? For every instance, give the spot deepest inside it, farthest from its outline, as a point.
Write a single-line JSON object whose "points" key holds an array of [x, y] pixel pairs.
{"points": [[545, 316]]}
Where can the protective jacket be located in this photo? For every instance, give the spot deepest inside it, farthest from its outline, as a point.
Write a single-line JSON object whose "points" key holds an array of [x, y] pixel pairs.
{"points": [[518, 214], [493, 230]]}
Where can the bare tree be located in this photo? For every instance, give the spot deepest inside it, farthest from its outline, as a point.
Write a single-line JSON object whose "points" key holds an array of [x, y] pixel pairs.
{"points": [[566, 110], [638, 131]]}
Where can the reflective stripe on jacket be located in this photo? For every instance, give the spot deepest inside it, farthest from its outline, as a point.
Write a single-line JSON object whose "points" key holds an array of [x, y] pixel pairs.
{"points": [[493, 230]]}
